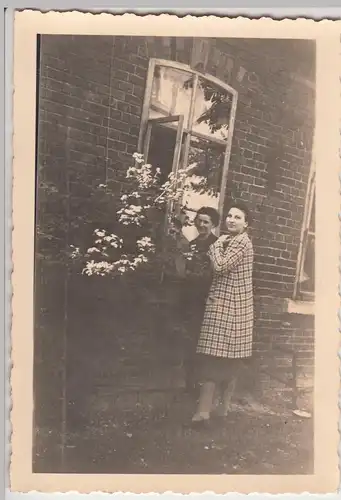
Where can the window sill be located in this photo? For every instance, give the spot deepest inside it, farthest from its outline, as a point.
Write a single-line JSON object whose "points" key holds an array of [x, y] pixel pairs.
{"points": [[300, 307]]}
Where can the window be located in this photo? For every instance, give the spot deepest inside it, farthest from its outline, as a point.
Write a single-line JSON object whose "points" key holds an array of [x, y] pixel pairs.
{"points": [[305, 275], [187, 123]]}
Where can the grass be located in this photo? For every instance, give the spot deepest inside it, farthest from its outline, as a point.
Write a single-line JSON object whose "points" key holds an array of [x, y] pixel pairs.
{"points": [[142, 438], [148, 440]]}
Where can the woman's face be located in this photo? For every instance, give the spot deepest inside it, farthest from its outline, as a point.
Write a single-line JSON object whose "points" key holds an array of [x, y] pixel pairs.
{"points": [[204, 224], [235, 221]]}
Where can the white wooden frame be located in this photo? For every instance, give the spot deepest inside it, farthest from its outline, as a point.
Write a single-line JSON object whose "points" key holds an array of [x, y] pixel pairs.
{"points": [[305, 231], [188, 130], [179, 134], [177, 149]]}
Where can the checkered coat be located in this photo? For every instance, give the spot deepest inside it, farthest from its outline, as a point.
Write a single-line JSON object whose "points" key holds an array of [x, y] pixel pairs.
{"points": [[228, 319]]}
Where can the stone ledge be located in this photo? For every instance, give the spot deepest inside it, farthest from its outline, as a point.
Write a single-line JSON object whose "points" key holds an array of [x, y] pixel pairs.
{"points": [[299, 307], [282, 305]]}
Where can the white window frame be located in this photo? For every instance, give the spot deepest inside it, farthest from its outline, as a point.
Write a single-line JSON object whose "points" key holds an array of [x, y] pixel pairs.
{"points": [[189, 129], [305, 233], [304, 302]]}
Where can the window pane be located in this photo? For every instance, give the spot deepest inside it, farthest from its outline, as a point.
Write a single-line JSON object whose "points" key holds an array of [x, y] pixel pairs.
{"points": [[308, 273], [203, 180], [212, 110], [171, 93], [161, 149], [161, 153]]}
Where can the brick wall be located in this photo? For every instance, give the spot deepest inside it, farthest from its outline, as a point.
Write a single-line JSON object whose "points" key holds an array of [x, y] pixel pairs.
{"points": [[91, 96], [270, 163], [271, 150], [269, 170], [73, 103]]}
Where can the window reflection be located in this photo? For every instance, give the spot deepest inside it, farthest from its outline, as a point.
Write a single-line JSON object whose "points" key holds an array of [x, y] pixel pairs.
{"points": [[212, 110], [171, 94], [202, 185], [207, 109]]}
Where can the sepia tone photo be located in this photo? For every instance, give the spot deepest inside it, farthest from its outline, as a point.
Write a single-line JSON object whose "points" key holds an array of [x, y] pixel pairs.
{"points": [[175, 234], [174, 286]]}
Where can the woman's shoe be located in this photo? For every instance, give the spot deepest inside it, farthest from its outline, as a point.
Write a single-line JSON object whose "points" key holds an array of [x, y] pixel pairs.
{"points": [[200, 421], [200, 424]]}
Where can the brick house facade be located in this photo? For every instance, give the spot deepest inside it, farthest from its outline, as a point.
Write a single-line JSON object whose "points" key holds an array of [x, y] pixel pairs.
{"points": [[91, 102]]}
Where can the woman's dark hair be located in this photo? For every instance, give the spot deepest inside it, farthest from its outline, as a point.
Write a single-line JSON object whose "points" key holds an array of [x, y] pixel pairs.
{"points": [[243, 208], [211, 212]]}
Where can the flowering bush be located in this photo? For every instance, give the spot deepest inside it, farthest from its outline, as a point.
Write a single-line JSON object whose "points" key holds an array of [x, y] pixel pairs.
{"points": [[136, 239]]}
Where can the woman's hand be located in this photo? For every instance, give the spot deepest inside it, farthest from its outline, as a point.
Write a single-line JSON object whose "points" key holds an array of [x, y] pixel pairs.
{"points": [[224, 238]]}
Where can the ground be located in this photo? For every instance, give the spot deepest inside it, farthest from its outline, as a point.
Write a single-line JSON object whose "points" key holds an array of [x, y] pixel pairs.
{"points": [[128, 412], [253, 439]]}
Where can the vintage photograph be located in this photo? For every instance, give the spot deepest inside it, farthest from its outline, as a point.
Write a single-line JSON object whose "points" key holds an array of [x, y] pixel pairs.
{"points": [[174, 255], [175, 252]]}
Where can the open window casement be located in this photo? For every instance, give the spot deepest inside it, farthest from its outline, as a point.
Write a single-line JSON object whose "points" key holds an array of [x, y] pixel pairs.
{"points": [[187, 125], [158, 136]]}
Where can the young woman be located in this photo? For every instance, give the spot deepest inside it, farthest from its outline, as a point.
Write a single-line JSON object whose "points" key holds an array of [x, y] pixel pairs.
{"points": [[227, 328]]}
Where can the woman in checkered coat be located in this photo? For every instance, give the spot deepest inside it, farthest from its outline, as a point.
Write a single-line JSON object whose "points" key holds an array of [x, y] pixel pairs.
{"points": [[226, 333]]}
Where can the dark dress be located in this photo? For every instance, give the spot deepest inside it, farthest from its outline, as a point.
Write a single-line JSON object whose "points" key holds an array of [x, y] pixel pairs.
{"points": [[173, 281], [195, 292]]}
